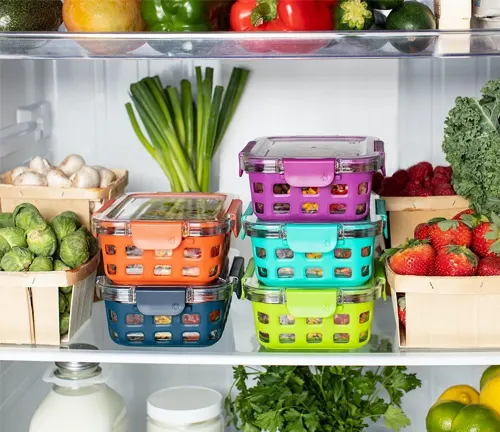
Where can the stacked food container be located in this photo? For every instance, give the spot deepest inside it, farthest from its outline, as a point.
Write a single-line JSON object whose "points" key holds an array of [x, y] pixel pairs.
{"points": [[168, 281], [312, 281]]}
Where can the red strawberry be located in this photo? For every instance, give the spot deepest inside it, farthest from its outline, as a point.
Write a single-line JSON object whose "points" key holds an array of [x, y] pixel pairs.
{"points": [[420, 171], [471, 217], [401, 176], [489, 266], [444, 189], [402, 310], [468, 211], [486, 237], [415, 257], [454, 260], [422, 230], [377, 182], [443, 171], [450, 232]]}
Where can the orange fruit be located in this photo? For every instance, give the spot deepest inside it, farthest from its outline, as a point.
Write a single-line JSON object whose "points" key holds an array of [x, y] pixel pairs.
{"points": [[103, 15]]}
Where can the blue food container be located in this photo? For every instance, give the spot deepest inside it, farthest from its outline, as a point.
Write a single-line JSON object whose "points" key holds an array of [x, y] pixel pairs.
{"points": [[181, 316], [320, 255]]}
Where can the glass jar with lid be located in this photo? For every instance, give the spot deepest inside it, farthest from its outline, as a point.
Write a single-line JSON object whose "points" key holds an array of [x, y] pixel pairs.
{"points": [[185, 409]]}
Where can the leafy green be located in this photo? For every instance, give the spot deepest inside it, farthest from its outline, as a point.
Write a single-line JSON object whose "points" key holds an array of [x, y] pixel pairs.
{"points": [[324, 399], [472, 147]]}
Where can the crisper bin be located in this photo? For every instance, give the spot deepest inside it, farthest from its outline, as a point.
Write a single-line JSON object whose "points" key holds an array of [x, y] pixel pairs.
{"points": [[167, 238], [307, 178], [313, 319], [313, 255], [180, 316]]}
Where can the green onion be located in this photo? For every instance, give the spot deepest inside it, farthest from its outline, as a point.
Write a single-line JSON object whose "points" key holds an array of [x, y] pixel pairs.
{"points": [[183, 135]]}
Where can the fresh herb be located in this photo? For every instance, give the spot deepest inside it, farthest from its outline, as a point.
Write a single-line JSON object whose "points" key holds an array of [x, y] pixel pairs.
{"points": [[472, 147], [324, 399], [183, 135]]}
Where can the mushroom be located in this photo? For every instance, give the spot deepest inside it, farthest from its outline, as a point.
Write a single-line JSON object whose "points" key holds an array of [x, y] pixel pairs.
{"points": [[72, 164], [87, 177], [17, 172], [55, 177], [30, 178], [39, 164], [107, 176]]}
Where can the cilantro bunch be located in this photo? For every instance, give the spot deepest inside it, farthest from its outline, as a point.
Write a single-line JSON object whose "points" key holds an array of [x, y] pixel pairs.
{"points": [[472, 147], [324, 399]]}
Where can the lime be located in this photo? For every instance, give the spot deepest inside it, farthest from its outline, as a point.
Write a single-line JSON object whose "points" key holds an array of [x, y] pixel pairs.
{"points": [[441, 415], [476, 418]]}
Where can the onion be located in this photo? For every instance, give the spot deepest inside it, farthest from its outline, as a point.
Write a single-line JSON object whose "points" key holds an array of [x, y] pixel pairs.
{"points": [[17, 172], [39, 165], [107, 176], [87, 177], [72, 164], [30, 178], [55, 177]]}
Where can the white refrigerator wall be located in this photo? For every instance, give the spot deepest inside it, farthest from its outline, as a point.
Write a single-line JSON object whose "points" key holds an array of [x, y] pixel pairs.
{"points": [[403, 102]]}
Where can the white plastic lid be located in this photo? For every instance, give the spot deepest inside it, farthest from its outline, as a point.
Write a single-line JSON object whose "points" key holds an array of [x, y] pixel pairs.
{"points": [[184, 405]]}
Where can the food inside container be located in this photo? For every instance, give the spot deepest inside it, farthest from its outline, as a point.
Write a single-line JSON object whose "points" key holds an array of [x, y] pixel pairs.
{"points": [[167, 239]]}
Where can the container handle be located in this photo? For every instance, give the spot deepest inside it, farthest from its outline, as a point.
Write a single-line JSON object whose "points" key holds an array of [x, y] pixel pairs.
{"points": [[305, 238], [311, 303], [248, 212], [234, 212], [248, 148], [379, 147], [380, 210], [107, 204], [309, 173], [248, 274], [380, 278], [151, 301], [236, 274]]}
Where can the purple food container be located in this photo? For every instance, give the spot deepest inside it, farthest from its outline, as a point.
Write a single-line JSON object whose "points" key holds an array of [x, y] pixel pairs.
{"points": [[312, 178]]}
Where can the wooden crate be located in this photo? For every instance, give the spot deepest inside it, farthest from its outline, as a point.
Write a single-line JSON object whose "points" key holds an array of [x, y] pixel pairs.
{"points": [[447, 312], [405, 213], [51, 201], [31, 303]]}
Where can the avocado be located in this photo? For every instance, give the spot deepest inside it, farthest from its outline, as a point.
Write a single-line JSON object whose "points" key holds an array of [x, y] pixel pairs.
{"points": [[30, 15], [411, 16], [385, 4], [353, 15]]}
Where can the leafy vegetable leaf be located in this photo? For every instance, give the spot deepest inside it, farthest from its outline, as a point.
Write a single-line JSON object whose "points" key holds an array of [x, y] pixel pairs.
{"points": [[395, 418]]}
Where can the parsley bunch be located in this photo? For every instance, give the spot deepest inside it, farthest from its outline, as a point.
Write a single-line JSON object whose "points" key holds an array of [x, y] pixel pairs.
{"points": [[323, 399]]}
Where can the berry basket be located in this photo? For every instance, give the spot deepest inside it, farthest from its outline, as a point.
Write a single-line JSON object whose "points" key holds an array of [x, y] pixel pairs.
{"points": [[312, 179], [181, 316], [332, 319], [313, 255], [166, 238]]}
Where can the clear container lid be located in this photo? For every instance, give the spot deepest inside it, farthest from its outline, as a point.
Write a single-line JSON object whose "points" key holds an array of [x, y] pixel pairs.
{"points": [[150, 218], [348, 154]]}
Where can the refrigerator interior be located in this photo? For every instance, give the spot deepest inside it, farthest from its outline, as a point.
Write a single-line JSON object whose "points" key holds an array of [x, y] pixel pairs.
{"points": [[403, 102]]}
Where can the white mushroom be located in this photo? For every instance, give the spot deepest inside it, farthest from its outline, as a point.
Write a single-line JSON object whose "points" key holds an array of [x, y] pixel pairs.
{"points": [[17, 172], [87, 177], [55, 177], [72, 164], [107, 176], [30, 178], [39, 164]]}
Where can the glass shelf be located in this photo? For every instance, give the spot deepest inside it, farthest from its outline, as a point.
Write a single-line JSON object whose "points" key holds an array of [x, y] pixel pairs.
{"points": [[368, 44], [239, 346]]}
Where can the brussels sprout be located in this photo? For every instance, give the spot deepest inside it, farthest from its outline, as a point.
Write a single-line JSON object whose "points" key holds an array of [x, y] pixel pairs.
{"points": [[62, 226], [4, 247], [72, 215], [60, 266], [91, 240], [69, 298], [74, 249], [63, 303], [41, 264], [42, 242], [67, 289], [6, 220], [14, 237], [27, 217], [16, 260], [64, 323]]}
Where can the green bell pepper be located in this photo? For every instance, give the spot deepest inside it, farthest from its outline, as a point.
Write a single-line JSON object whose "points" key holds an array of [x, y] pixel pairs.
{"points": [[186, 15]]}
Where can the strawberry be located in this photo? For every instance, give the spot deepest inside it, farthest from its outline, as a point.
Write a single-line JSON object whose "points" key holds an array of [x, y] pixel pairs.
{"points": [[489, 266], [415, 257], [469, 211], [444, 171], [402, 310], [454, 260], [377, 182], [471, 217], [420, 171], [401, 176], [443, 189], [450, 232], [422, 230], [486, 237]]}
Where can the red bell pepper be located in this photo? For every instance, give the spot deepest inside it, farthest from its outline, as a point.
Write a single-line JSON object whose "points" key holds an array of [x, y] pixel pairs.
{"points": [[282, 15]]}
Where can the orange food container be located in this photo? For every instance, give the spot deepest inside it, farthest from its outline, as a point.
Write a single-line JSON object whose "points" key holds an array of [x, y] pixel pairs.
{"points": [[166, 238]]}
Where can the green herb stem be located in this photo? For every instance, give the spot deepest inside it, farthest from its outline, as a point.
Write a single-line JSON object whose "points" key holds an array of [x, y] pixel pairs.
{"points": [[173, 96], [188, 115]]}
